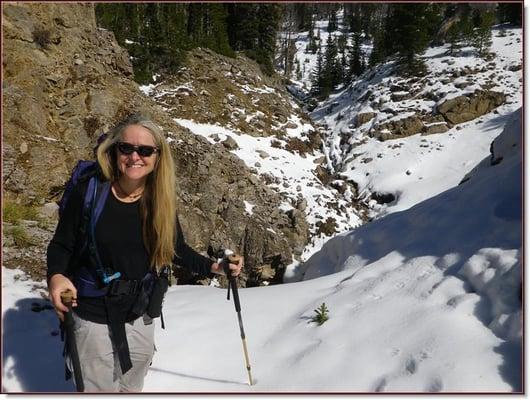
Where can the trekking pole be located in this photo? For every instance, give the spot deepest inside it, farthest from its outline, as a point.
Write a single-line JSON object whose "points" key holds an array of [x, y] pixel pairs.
{"points": [[66, 298], [230, 258]]}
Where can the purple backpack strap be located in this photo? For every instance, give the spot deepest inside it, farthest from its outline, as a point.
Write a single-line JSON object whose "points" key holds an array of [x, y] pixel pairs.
{"points": [[92, 190], [81, 169], [86, 279]]}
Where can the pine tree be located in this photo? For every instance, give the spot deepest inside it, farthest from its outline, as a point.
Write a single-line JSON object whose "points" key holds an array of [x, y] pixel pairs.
{"points": [[243, 26], [216, 37], [317, 75], [343, 68], [453, 38], [268, 25], [481, 38], [511, 13], [312, 46], [303, 16], [298, 70], [332, 23], [378, 53], [342, 41], [459, 32], [356, 60], [408, 34], [332, 70]]}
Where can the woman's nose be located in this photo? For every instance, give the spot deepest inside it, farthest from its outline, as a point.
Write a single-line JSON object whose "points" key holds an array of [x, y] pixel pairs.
{"points": [[134, 155]]}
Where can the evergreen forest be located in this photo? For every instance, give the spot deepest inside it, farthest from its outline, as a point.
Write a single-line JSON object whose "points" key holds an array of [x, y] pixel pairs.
{"points": [[158, 35]]}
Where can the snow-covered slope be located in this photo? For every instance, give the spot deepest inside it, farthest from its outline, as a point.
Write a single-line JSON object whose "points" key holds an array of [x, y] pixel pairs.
{"points": [[424, 300], [414, 168], [418, 167], [290, 174]]}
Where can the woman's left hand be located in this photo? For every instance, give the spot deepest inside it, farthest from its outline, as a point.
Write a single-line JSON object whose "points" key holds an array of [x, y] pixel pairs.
{"points": [[235, 269]]}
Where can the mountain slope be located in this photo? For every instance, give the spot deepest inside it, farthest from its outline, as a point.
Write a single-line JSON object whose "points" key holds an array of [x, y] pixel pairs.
{"points": [[401, 140], [428, 309]]}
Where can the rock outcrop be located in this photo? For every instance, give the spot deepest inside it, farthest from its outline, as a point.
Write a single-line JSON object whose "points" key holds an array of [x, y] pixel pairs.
{"points": [[229, 91], [445, 115], [65, 81], [466, 108]]}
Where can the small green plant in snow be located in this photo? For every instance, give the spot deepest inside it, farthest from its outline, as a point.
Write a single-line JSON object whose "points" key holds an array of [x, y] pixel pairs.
{"points": [[321, 314]]}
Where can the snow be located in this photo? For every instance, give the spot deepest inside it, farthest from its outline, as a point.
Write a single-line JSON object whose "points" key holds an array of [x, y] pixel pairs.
{"points": [[424, 300], [249, 207]]}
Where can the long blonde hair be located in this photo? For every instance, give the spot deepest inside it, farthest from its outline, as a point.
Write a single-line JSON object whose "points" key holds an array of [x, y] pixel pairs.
{"points": [[158, 203]]}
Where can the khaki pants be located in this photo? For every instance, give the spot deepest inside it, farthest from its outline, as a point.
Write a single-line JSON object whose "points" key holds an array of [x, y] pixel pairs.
{"points": [[100, 366]]}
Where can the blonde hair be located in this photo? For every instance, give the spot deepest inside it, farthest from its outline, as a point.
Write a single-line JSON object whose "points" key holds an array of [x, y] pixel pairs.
{"points": [[158, 203]]}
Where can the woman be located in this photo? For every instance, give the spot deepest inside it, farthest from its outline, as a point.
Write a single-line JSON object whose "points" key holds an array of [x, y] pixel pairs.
{"points": [[137, 234]]}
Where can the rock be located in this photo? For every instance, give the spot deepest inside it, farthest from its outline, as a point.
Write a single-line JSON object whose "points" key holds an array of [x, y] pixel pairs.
{"points": [[267, 272], [514, 68], [383, 198], [363, 118], [262, 154], [50, 210], [23, 148], [466, 108], [230, 143], [435, 128], [398, 128], [301, 205]]}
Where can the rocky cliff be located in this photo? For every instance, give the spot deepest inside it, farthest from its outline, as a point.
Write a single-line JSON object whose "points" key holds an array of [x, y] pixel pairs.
{"points": [[65, 81]]}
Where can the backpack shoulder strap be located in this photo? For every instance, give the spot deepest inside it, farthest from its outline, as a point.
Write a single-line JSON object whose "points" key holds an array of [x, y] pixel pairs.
{"points": [[95, 198]]}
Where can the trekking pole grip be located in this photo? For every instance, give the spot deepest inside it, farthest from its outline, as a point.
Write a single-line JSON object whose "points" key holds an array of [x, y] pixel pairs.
{"points": [[67, 297], [233, 259]]}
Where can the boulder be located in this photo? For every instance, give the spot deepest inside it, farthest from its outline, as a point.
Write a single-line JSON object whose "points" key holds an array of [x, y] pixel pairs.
{"points": [[363, 118], [466, 108], [430, 129], [230, 143], [398, 128]]}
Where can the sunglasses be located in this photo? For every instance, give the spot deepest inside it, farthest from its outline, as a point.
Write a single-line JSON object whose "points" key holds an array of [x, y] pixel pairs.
{"points": [[143, 151]]}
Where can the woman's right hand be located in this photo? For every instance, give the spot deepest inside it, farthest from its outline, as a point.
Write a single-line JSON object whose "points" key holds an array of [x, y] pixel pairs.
{"points": [[58, 284]]}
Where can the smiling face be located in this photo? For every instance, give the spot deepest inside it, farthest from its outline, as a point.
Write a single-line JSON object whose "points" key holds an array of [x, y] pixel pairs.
{"points": [[133, 167]]}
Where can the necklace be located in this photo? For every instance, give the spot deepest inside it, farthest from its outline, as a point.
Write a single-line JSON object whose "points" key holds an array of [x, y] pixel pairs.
{"points": [[131, 195]]}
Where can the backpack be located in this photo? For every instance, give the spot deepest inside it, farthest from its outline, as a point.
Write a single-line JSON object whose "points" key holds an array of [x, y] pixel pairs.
{"points": [[89, 280], [83, 170]]}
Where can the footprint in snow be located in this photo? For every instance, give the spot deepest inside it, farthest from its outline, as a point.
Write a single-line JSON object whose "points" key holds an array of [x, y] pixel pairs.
{"points": [[436, 385], [380, 385], [411, 366]]}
